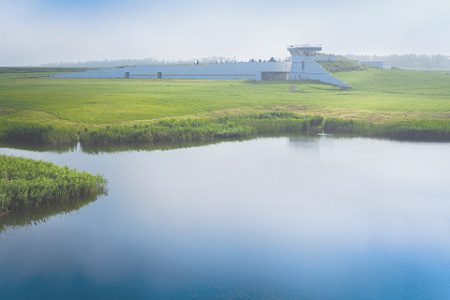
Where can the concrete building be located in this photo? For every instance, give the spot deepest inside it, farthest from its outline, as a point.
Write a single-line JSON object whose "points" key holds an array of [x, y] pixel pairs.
{"points": [[248, 70], [303, 66]]}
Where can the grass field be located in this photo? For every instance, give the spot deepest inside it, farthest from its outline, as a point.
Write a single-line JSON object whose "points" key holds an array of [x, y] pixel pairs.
{"points": [[376, 96]]}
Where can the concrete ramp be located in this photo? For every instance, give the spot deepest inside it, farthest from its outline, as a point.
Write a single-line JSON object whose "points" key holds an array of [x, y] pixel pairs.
{"points": [[305, 67]]}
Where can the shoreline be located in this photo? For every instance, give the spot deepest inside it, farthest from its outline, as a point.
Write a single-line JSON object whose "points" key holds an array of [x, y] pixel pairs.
{"points": [[222, 128]]}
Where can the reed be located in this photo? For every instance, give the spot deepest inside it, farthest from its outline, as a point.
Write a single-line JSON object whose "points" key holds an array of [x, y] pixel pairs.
{"points": [[28, 183], [197, 129], [36, 133], [420, 130]]}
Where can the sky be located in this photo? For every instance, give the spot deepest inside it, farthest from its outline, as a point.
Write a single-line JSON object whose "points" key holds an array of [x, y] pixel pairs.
{"points": [[34, 32]]}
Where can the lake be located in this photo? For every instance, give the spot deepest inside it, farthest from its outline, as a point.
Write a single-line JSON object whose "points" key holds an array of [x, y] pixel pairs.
{"points": [[269, 218]]}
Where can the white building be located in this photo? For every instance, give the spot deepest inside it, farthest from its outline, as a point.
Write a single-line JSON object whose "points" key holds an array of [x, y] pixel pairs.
{"points": [[245, 70], [303, 66]]}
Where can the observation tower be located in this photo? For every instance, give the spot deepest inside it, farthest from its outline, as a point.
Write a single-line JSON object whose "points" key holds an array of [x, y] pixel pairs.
{"points": [[304, 64]]}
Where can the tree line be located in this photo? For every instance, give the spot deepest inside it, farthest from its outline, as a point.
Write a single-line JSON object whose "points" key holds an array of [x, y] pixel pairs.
{"points": [[407, 60]]}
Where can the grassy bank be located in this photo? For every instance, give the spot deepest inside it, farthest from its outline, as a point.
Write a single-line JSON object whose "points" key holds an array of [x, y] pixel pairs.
{"points": [[179, 130], [58, 111], [36, 133], [423, 130], [28, 183]]}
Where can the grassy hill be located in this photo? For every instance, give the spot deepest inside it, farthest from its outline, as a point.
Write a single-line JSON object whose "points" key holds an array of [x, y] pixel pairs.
{"points": [[58, 109]]}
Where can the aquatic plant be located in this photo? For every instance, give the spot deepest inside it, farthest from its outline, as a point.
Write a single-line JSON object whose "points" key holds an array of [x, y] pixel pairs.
{"points": [[36, 133], [26, 183], [426, 130], [197, 129]]}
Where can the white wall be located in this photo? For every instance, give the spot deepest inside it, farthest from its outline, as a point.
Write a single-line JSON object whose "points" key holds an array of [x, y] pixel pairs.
{"points": [[304, 68], [245, 70], [324, 58]]}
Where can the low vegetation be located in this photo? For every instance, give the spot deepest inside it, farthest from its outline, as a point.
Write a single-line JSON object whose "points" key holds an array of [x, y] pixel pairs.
{"points": [[196, 129], [28, 183], [36, 133], [425, 130]]}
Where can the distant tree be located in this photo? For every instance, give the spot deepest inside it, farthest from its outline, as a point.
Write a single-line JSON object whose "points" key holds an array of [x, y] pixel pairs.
{"points": [[408, 60], [272, 59]]}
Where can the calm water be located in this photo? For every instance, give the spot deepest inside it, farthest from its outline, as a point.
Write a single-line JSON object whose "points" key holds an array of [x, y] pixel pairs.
{"points": [[293, 218]]}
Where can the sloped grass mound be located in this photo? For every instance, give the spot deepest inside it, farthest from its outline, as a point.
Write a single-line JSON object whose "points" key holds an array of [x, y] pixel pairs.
{"points": [[342, 65], [28, 183]]}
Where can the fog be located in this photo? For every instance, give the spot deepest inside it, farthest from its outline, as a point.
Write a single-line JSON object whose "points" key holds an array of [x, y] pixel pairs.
{"points": [[50, 31]]}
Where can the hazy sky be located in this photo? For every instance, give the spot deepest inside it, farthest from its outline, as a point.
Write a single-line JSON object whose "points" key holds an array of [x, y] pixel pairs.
{"points": [[33, 32]]}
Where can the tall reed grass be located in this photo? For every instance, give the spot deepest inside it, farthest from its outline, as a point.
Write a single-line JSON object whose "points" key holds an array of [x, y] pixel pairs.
{"points": [[26, 183], [36, 133], [196, 129], [234, 126], [424, 130]]}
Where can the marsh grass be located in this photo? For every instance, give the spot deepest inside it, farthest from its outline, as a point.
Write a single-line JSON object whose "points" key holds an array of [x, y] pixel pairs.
{"points": [[28, 183], [425, 130], [196, 129], [36, 133]]}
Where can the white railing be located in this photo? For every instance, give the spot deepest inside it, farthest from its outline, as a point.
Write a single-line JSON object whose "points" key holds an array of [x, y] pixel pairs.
{"points": [[305, 46]]}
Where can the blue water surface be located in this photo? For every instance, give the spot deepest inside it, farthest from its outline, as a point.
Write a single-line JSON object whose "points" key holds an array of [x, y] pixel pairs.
{"points": [[271, 218]]}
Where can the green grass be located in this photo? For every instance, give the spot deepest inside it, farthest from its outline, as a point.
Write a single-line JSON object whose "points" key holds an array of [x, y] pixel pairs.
{"points": [[71, 105], [28, 183], [197, 129], [426, 130]]}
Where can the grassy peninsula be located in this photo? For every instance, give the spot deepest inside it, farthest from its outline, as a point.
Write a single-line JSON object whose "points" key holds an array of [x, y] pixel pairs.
{"points": [[384, 103], [26, 183]]}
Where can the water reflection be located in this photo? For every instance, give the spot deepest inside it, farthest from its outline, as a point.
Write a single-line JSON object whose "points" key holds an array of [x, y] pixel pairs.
{"points": [[69, 147], [300, 138], [162, 146], [34, 216], [309, 143]]}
